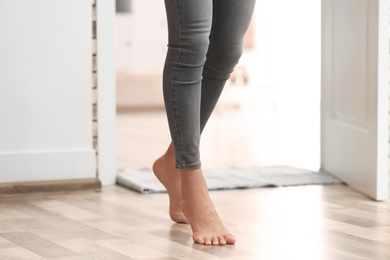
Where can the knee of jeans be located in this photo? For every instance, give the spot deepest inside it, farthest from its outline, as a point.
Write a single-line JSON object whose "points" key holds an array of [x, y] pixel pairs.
{"points": [[220, 63], [195, 49]]}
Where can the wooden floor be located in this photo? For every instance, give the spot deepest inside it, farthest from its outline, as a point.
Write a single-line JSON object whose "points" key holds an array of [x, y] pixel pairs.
{"points": [[307, 222]]}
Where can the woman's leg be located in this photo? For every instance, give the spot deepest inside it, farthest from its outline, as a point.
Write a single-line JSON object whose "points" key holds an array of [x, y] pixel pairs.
{"points": [[231, 20], [189, 25]]}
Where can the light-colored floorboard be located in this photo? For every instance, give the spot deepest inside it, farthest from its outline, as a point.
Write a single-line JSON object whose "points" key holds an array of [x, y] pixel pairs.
{"points": [[306, 222]]}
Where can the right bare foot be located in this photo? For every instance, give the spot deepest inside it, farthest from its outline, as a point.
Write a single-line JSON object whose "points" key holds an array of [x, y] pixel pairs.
{"points": [[206, 225], [169, 176]]}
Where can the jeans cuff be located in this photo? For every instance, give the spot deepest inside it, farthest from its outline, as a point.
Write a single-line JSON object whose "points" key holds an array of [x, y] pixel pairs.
{"points": [[188, 166]]}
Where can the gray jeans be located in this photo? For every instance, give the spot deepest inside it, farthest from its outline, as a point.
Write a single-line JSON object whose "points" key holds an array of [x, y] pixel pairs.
{"points": [[205, 44]]}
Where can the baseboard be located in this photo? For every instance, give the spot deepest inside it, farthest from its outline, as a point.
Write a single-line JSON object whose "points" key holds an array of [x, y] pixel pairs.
{"points": [[47, 165], [139, 109], [50, 186]]}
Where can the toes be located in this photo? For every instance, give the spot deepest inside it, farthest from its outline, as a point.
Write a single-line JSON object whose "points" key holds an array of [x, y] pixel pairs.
{"points": [[215, 241], [230, 239], [199, 239], [222, 241], [208, 241]]}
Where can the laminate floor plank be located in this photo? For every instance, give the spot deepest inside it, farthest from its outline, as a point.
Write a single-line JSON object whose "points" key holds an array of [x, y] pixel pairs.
{"points": [[90, 249], [18, 253], [37, 244], [305, 222]]}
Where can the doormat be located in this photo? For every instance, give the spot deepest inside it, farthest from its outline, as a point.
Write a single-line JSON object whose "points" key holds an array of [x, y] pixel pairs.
{"points": [[144, 181]]}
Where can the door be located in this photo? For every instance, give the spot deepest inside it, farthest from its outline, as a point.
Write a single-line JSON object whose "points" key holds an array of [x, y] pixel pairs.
{"points": [[354, 117]]}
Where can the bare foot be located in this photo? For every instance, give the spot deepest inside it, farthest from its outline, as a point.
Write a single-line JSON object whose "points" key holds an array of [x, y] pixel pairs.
{"points": [[206, 225], [164, 169]]}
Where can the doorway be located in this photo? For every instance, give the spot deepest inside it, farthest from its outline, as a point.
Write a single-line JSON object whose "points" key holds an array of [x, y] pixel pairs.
{"points": [[271, 118], [377, 37]]}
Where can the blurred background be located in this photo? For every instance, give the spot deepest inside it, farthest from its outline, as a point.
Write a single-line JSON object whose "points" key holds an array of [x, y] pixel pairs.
{"points": [[269, 112]]}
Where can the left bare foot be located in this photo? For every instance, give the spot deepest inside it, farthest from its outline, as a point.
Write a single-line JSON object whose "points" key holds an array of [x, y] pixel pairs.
{"points": [[169, 176], [206, 225]]}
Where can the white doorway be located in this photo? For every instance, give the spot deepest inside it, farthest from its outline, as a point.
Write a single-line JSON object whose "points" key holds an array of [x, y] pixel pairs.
{"points": [[276, 115], [289, 46]]}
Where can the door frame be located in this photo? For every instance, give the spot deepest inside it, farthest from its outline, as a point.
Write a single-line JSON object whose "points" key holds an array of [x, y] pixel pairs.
{"points": [[106, 100]]}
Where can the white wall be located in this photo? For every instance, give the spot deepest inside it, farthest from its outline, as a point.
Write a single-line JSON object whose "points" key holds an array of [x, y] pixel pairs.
{"points": [[45, 90]]}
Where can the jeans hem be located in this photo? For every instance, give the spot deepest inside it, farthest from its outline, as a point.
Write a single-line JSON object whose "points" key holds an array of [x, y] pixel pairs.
{"points": [[188, 166]]}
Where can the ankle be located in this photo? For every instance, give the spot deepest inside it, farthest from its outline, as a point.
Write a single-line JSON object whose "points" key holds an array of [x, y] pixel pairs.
{"points": [[169, 156], [193, 184]]}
